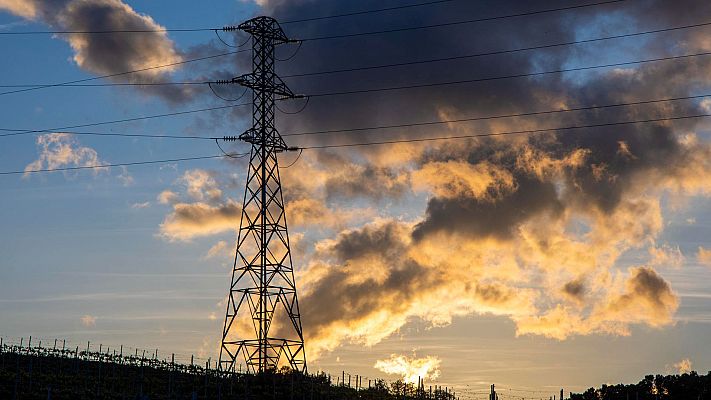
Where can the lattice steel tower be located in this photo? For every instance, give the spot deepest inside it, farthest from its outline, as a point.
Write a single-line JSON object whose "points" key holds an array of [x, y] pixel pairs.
{"points": [[262, 327]]}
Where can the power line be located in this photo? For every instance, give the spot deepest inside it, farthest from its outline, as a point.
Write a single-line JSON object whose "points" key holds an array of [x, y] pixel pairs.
{"points": [[525, 114], [350, 14], [118, 134], [168, 30], [522, 132], [531, 131], [470, 21], [493, 78], [498, 52], [377, 127], [380, 66], [38, 86], [124, 73], [107, 31], [16, 132], [34, 171]]}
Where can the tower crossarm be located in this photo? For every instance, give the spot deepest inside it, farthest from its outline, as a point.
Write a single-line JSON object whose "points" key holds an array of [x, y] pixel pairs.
{"points": [[267, 82]]}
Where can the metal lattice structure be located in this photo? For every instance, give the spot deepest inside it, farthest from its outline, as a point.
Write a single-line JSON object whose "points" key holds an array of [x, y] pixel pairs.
{"points": [[263, 290]]}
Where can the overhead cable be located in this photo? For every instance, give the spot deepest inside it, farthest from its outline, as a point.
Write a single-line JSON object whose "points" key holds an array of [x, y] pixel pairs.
{"points": [[453, 23], [497, 52], [16, 132], [35, 171], [500, 116], [124, 73], [506, 133]]}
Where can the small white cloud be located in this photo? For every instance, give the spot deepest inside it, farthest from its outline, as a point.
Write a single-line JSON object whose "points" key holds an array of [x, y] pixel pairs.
{"points": [[201, 185], [683, 366], [145, 204], [60, 150], [125, 178], [706, 105], [167, 197], [88, 321]]}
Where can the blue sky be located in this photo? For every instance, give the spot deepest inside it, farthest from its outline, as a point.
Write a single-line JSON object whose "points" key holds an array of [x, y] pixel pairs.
{"points": [[102, 244]]}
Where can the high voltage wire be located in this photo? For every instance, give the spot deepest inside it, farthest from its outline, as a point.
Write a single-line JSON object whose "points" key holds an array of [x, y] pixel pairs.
{"points": [[393, 126], [494, 78], [34, 171], [361, 144], [391, 65], [166, 30], [17, 132], [449, 83], [354, 13], [525, 114], [131, 135], [108, 31], [498, 52], [470, 21], [506, 133], [124, 73], [38, 86]]}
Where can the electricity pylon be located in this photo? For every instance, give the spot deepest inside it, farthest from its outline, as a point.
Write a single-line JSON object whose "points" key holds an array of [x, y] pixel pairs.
{"points": [[263, 289]]}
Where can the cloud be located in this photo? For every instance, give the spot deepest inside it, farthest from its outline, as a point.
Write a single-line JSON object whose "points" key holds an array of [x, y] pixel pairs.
{"points": [[109, 53], [411, 369], [58, 150], [145, 204], [367, 283], [220, 249], [704, 256], [23, 8], [167, 197], [201, 185], [190, 220], [683, 366], [125, 178], [88, 321], [666, 256]]}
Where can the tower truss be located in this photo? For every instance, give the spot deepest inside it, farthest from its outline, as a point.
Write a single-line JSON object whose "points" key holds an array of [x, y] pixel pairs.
{"points": [[262, 328]]}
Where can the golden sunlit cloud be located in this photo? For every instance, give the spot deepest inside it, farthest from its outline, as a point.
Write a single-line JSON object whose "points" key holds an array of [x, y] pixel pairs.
{"points": [[684, 366], [191, 220], [219, 249], [23, 8], [666, 256], [704, 256], [412, 370], [59, 150]]}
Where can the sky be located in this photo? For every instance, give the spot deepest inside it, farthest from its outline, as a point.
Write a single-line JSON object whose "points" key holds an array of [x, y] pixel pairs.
{"points": [[564, 258]]}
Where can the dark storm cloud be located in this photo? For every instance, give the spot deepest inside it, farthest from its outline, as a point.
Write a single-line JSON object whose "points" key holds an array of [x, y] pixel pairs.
{"points": [[574, 289], [379, 240], [618, 157], [116, 53], [483, 218]]}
